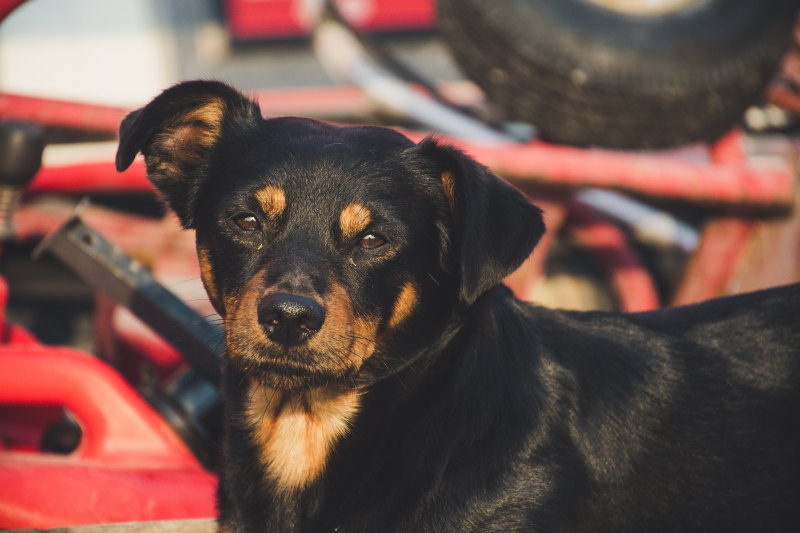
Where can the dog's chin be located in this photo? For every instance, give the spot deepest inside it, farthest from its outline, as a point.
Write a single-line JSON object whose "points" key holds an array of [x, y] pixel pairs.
{"points": [[283, 376]]}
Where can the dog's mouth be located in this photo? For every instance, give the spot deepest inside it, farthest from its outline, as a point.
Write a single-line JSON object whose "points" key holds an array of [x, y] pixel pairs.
{"points": [[296, 369]]}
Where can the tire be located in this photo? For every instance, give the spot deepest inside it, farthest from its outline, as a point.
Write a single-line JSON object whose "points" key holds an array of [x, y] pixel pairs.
{"points": [[585, 74]]}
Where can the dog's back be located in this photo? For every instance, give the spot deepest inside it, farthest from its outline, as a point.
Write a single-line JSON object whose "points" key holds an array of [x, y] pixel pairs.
{"points": [[679, 419]]}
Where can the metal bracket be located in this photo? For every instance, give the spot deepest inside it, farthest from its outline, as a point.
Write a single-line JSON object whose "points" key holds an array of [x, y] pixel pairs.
{"points": [[107, 268]]}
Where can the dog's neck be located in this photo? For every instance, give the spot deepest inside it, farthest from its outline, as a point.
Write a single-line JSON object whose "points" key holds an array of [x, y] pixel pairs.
{"points": [[296, 431]]}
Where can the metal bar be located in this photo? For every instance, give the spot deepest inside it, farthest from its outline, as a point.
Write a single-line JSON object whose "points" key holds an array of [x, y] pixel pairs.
{"points": [[7, 6], [91, 177], [62, 113], [106, 267], [658, 175], [723, 245]]}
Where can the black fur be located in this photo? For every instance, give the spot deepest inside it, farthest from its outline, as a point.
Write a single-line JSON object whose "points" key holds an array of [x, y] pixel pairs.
{"points": [[477, 412]]}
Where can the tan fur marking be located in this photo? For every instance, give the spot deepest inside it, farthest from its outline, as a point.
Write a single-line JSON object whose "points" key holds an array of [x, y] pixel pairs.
{"points": [[354, 219], [296, 431], [207, 275], [184, 143], [272, 200], [349, 339], [244, 326], [404, 305], [449, 184]]}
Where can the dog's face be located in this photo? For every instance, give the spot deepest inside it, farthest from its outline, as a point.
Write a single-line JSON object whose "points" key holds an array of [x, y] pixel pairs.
{"points": [[312, 241], [329, 250]]}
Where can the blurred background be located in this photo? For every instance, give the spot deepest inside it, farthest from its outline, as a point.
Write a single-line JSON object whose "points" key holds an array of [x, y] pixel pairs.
{"points": [[124, 52]]}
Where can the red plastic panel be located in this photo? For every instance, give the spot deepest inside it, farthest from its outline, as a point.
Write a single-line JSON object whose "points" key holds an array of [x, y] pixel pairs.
{"points": [[130, 465]]}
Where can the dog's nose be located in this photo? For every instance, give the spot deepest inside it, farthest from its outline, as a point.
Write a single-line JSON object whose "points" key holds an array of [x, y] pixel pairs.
{"points": [[290, 319]]}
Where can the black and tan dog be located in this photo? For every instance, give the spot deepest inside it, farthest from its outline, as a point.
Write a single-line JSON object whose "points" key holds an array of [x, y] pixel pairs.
{"points": [[379, 378]]}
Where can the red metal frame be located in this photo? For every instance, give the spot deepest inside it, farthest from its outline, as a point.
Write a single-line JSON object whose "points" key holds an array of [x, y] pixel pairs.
{"points": [[61, 113], [655, 175], [7, 6], [270, 19]]}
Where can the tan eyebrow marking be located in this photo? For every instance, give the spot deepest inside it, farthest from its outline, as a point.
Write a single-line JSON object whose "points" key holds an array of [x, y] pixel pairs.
{"points": [[272, 200], [354, 219], [404, 305]]}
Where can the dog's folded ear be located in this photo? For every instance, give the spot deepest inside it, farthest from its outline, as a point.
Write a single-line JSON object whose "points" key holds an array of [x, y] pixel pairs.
{"points": [[495, 227], [177, 133]]}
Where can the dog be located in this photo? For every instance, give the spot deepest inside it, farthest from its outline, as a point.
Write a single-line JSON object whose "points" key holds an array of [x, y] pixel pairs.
{"points": [[378, 377]]}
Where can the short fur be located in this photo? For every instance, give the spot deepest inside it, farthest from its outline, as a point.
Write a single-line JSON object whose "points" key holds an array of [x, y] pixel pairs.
{"points": [[410, 391]]}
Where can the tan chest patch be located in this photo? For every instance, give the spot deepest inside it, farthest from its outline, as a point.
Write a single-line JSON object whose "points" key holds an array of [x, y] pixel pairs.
{"points": [[297, 431]]}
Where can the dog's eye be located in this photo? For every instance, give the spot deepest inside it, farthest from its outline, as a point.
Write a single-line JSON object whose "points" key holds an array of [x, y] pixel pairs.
{"points": [[247, 222], [372, 241]]}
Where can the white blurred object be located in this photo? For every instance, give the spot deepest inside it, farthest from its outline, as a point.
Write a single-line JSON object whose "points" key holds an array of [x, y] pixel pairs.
{"points": [[99, 51], [345, 59], [647, 223]]}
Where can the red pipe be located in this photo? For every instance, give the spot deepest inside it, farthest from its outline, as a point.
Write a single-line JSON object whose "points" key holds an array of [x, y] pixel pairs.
{"points": [[648, 174], [7, 6], [62, 113], [91, 177]]}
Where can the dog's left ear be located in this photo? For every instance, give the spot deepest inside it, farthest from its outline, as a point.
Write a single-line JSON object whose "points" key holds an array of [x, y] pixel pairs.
{"points": [[495, 227], [177, 133]]}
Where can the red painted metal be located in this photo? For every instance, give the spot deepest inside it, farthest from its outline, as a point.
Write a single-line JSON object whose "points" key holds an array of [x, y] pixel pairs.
{"points": [[61, 113], [52, 492], [658, 175], [724, 240], [729, 149], [119, 427], [269, 19], [100, 177], [129, 465], [7, 6], [723, 244]]}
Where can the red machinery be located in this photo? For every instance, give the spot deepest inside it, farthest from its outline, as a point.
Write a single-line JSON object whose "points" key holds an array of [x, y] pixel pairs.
{"points": [[129, 465]]}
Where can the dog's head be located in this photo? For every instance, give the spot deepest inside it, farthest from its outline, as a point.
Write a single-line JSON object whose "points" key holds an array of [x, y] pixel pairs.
{"points": [[332, 252]]}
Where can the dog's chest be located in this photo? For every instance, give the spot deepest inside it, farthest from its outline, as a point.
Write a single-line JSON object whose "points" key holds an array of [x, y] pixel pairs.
{"points": [[295, 432]]}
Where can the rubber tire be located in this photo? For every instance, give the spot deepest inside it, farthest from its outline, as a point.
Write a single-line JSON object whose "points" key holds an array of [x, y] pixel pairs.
{"points": [[585, 75]]}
